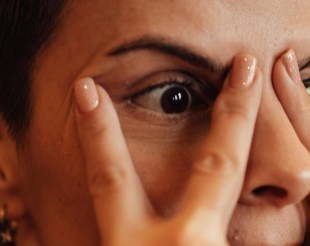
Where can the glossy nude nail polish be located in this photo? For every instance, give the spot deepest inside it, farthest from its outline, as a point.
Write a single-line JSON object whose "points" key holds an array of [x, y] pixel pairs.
{"points": [[244, 68], [290, 63], [86, 95]]}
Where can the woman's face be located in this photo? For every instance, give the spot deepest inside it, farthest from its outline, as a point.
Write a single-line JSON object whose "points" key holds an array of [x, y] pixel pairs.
{"points": [[140, 51]]}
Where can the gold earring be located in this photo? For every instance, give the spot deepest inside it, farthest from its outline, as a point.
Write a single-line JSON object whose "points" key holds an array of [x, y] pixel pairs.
{"points": [[7, 232]]}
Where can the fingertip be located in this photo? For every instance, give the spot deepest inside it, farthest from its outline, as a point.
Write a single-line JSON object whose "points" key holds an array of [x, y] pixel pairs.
{"points": [[243, 72], [245, 76], [90, 109], [242, 90], [290, 64], [286, 78], [86, 95]]}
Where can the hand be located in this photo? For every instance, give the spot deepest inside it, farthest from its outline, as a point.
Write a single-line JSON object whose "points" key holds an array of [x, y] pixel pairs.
{"points": [[292, 95], [124, 214], [295, 101]]}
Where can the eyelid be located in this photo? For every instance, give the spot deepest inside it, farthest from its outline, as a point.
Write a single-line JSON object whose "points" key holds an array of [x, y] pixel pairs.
{"points": [[305, 77], [305, 64], [153, 87], [160, 78], [149, 99], [305, 73]]}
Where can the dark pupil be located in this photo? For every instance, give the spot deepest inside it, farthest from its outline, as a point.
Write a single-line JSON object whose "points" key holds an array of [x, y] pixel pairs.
{"points": [[175, 100]]}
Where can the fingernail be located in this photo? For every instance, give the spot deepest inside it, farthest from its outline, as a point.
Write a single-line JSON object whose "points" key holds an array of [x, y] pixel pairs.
{"points": [[86, 95], [243, 73], [290, 63]]}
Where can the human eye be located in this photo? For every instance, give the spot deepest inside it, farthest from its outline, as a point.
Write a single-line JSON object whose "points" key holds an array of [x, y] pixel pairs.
{"points": [[175, 93], [305, 77]]}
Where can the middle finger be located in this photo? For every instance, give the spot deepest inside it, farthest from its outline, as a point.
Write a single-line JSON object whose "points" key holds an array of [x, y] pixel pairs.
{"points": [[218, 173]]}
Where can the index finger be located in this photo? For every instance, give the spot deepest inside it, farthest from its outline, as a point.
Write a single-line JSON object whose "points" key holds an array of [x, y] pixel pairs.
{"points": [[218, 172], [114, 186]]}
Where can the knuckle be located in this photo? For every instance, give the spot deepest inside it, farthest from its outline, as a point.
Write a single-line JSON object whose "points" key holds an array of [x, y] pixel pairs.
{"points": [[215, 163], [182, 237], [108, 179], [92, 126], [188, 235], [231, 108]]}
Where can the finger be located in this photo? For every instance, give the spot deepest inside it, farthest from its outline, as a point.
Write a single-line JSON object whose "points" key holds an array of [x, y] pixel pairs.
{"points": [[218, 173], [113, 184], [293, 95]]}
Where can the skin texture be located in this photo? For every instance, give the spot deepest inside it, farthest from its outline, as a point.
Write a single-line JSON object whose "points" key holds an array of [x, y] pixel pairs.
{"points": [[119, 200], [45, 182]]}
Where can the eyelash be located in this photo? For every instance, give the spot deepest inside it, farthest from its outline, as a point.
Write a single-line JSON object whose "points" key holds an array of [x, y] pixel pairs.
{"points": [[307, 85], [200, 93], [306, 81], [304, 73], [168, 81], [199, 90]]}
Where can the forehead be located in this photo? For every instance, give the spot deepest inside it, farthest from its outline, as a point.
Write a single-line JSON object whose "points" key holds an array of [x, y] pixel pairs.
{"points": [[221, 27]]}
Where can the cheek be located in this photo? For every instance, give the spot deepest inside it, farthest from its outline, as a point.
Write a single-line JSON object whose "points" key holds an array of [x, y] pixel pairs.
{"points": [[163, 159], [163, 172], [52, 172]]}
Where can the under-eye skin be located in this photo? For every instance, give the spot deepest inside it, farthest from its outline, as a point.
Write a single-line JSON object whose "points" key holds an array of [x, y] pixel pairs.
{"points": [[174, 93]]}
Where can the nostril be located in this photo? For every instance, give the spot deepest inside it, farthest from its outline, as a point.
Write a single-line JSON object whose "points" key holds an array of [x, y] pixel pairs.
{"points": [[270, 191]]}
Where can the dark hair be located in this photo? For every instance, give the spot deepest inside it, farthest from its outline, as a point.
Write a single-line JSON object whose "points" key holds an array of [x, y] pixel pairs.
{"points": [[25, 26]]}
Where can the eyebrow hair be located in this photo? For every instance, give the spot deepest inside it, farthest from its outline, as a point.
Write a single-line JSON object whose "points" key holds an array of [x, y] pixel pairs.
{"points": [[171, 48]]}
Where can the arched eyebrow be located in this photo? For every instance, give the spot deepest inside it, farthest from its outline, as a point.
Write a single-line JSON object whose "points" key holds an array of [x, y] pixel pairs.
{"points": [[172, 48]]}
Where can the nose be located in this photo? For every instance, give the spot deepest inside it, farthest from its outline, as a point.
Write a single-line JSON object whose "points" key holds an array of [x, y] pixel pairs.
{"points": [[278, 171]]}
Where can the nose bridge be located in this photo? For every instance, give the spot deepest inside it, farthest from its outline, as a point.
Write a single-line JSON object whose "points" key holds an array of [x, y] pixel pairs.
{"points": [[279, 165]]}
